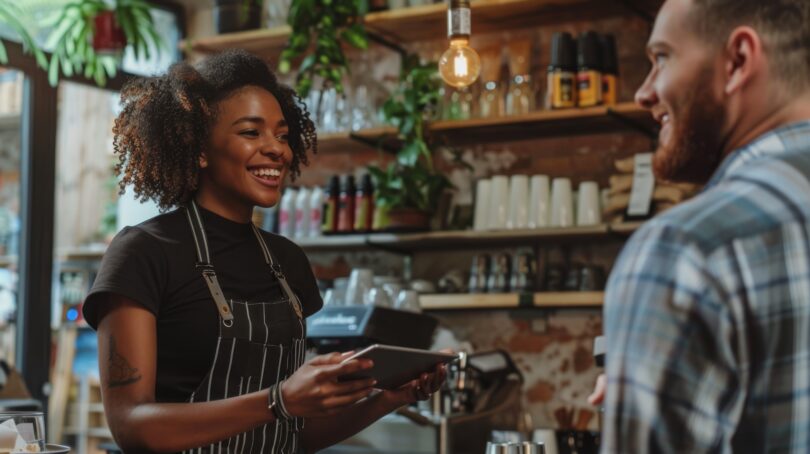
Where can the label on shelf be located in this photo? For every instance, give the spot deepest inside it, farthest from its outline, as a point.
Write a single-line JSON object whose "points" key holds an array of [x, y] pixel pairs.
{"points": [[643, 185]]}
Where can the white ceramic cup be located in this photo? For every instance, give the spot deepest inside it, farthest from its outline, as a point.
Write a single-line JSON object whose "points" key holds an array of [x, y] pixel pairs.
{"points": [[549, 439], [588, 211], [562, 203], [498, 202], [538, 202], [483, 189], [518, 202]]}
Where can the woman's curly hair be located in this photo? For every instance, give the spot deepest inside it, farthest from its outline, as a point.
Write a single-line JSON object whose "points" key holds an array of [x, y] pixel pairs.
{"points": [[165, 123]]}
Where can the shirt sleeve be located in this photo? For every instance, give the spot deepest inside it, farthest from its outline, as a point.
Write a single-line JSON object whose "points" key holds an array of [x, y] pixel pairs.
{"points": [[673, 383], [134, 267]]}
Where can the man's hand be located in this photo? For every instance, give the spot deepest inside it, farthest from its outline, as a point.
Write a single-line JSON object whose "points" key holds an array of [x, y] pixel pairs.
{"points": [[598, 394]]}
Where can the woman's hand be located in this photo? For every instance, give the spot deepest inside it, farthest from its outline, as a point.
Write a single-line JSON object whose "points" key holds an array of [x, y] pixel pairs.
{"points": [[314, 390], [419, 389]]}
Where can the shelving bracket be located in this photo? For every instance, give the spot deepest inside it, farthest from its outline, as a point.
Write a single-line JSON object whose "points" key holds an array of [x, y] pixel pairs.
{"points": [[379, 39], [632, 123], [387, 248], [638, 11], [374, 143]]}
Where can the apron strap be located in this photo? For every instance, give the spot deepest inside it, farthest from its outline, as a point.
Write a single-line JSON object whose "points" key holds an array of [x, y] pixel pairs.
{"points": [[277, 271], [204, 263], [209, 275]]}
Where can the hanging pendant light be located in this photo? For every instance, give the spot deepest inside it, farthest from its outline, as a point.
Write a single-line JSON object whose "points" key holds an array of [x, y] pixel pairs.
{"points": [[459, 65]]}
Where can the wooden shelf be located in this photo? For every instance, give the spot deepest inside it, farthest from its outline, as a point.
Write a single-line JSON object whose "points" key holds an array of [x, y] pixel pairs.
{"points": [[10, 122], [267, 42], [626, 228], [539, 124], [442, 240], [7, 261], [369, 139], [512, 300], [458, 239], [429, 22], [546, 123], [478, 239]]}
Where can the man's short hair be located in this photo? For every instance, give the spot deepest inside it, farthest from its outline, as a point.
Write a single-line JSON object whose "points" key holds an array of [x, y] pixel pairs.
{"points": [[784, 26]]}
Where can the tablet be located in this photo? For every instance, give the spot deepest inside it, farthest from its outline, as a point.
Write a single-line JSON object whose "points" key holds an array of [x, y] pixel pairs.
{"points": [[396, 366]]}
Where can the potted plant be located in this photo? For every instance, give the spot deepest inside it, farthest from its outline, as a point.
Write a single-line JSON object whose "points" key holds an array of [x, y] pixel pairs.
{"points": [[329, 24], [409, 189], [14, 18], [237, 15], [90, 36]]}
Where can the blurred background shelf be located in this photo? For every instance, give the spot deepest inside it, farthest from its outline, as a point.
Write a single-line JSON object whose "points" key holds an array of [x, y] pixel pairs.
{"points": [[622, 117], [548, 123], [421, 23], [512, 300], [10, 122], [458, 239], [449, 239]]}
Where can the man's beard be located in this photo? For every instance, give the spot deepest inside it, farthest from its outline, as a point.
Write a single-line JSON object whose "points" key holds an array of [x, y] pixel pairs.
{"points": [[694, 149]]}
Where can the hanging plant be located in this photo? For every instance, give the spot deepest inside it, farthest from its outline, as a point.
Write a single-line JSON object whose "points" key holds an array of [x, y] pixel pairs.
{"points": [[328, 24], [90, 37], [14, 17], [411, 181]]}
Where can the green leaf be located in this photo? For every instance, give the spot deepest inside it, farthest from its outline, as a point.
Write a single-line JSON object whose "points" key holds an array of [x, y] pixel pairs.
{"points": [[3, 53], [53, 70], [409, 154], [99, 75], [356, 36], [307, 63]]}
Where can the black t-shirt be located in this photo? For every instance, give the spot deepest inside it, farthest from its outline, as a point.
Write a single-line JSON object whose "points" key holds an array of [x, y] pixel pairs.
{"points": [[153, 264]]}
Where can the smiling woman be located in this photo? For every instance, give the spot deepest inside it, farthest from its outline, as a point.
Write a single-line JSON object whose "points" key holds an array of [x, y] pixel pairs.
{"points": [[200, 315]]}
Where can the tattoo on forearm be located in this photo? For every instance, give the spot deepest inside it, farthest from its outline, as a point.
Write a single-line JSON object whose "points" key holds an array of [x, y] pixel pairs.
{"points": [[121, 372]]}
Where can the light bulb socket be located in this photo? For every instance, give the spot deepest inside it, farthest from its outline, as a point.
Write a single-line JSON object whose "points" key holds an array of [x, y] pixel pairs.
{"points": [[458, 19]]}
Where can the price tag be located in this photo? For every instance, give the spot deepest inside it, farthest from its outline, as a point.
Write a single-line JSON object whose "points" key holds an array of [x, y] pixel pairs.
{"points": [[643, 185]]}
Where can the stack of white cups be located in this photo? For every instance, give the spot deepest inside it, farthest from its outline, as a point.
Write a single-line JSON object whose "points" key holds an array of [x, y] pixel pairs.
{"points": [[522, 202]]}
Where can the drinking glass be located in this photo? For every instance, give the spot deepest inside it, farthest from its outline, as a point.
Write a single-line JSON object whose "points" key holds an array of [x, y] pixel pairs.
{"points": [[30, 426], [408, 300], [360, 281], [376, 296]]}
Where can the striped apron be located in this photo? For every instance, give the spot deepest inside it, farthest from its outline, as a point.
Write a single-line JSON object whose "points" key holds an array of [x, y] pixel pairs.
{"points": [[259, 344]]}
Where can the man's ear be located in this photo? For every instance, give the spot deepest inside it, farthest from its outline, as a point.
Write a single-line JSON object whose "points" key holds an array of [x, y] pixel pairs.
{"points": [[745, 58], [203, 160]]}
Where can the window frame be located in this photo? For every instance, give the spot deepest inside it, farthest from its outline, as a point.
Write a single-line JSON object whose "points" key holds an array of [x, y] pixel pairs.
{"points": [[38, 129]]}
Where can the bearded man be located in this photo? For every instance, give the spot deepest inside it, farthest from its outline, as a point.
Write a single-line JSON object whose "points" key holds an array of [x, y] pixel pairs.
{"points": [[707, 311]]}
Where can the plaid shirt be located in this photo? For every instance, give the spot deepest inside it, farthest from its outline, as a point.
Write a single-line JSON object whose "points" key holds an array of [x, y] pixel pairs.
{"points": [[707, 313]]}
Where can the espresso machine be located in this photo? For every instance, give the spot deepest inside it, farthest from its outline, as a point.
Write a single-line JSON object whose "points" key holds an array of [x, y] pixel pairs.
{"points": [[345, 328]]}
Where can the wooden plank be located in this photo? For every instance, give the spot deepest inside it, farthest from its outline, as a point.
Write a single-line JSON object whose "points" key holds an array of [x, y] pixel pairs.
{"points": [[469, 301], [267, 42], [429, 22], [510, 300], [541, 123], [61, 378], [479, 239], [568, 299], [10, 122], [625, 228]]}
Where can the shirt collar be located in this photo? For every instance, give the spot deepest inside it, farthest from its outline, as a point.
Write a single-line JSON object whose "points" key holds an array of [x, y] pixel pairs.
{"points": [[771, 143]]}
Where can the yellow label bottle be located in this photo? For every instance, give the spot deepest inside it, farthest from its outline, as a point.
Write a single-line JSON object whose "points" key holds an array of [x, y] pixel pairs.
{"points": [[589, 88], [609, 89], [562, 89]]}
